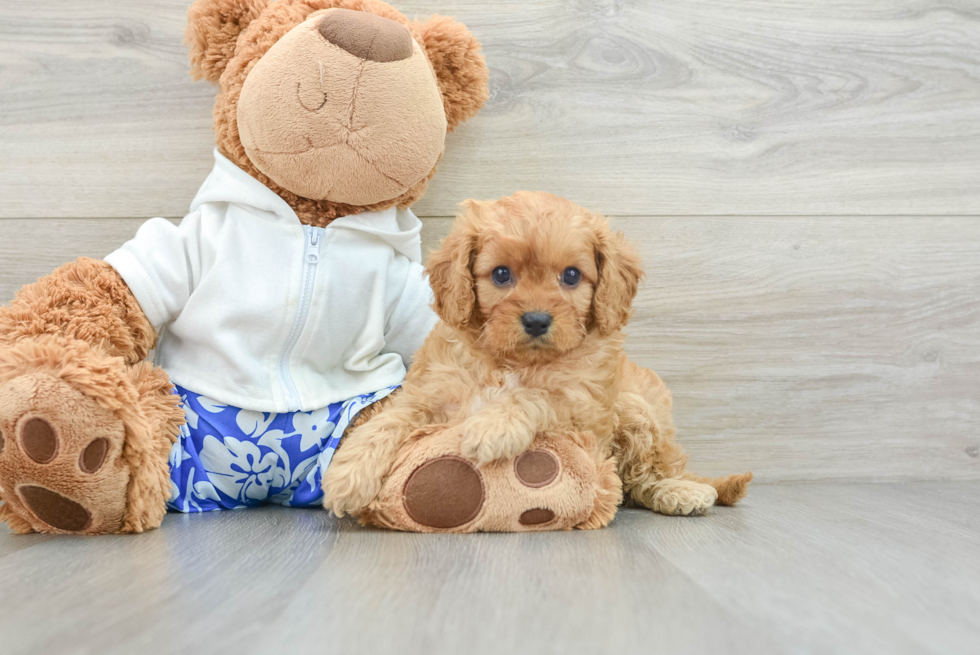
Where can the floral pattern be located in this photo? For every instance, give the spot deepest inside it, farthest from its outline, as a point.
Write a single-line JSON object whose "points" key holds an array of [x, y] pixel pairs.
{"points": [[228, 458]]}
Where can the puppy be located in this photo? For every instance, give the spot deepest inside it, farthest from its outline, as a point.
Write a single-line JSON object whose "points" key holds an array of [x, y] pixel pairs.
{"points": [[532, 292]]}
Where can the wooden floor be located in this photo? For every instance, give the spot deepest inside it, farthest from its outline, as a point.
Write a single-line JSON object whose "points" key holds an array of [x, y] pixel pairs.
{"points": [[798, 568]]}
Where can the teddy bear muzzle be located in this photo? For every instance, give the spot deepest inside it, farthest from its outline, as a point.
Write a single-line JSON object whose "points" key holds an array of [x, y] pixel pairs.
{"points": [[344, 107]]}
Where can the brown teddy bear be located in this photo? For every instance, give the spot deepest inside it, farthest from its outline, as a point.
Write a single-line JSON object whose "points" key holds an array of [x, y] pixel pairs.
{"points": [[290, 297]]}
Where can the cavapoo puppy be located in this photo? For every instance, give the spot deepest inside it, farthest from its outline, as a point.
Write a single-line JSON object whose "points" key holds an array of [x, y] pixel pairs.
{"points": [[533, 292]]}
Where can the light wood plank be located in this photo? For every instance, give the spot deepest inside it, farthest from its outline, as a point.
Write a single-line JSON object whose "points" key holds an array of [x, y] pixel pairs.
{"points": [[32, 248], [801, 348], [806, 568], [598, 592], [899, 562], [816, 348], [630, 107]]}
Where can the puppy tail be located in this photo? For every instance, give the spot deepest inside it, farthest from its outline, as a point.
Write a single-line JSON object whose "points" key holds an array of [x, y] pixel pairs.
{"points": [[731, 489]]}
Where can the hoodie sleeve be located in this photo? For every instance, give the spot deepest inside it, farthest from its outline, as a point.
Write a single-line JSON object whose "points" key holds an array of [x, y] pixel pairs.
{"points": [[412, 318], [162, 265]]}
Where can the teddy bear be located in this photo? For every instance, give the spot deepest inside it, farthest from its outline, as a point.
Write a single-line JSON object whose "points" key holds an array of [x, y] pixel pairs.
{"points": [[289, 299]]}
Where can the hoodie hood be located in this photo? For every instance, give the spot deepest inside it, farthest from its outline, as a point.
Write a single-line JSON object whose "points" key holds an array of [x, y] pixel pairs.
{"points": [[399, 228]]}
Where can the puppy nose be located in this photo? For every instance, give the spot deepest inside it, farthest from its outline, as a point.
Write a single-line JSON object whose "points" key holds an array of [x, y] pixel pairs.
{"points": [[366, 35], [536, 323]]}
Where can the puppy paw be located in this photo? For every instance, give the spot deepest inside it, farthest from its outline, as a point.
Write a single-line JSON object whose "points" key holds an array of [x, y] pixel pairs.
{"points": [[486, 441], [347, 487], [681, 497]]}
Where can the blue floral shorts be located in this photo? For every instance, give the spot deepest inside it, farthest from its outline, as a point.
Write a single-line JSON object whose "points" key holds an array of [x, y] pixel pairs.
{"points": [[227, 458]]}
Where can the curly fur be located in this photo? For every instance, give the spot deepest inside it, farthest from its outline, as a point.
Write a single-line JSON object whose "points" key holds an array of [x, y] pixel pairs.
{"points": [[480, 370]]}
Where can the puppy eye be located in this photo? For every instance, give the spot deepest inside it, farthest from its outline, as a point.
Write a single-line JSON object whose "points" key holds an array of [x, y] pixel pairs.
{"points": [[571, 277], [501, 275]]}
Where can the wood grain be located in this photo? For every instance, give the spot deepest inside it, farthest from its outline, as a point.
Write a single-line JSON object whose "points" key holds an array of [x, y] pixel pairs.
{"points": [[868, 547], [798, 348], [806, 568], [629, 107]]}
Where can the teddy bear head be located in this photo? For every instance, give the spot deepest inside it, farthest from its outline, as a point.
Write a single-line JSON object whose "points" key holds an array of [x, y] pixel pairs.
{"points": [[339, 106]]}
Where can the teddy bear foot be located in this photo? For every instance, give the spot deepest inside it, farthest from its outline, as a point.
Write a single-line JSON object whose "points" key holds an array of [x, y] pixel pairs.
{"points": [[60, 464], [556, 485]]}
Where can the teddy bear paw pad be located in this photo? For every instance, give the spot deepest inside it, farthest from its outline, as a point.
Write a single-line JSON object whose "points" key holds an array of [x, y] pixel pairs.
{"points": [[54, 509], [536, 516], [444, 493], [39, 440], [536, 468]]}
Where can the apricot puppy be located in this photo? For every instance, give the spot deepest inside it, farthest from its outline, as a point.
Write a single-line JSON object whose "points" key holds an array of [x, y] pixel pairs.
{"points": [[532, 292]]}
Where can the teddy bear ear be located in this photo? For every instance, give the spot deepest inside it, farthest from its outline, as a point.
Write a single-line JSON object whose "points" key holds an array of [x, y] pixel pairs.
{"points": [[460, 68], [213, 27]]}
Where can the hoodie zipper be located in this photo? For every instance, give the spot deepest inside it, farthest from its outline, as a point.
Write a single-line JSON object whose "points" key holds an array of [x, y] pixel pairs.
{"points": [[311, 257]]}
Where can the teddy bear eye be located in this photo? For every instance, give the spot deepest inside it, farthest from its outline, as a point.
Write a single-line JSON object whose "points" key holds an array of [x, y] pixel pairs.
{"points": [[501, 275], [571, 277]]}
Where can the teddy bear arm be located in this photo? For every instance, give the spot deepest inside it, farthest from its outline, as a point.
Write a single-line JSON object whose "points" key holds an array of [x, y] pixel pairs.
{"points": [[87, 426], [85, 300]]}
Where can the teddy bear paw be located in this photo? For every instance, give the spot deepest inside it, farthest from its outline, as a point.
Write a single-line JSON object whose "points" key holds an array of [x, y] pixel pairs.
{"points": [[552, 486], [60, 458], [448, 492]]}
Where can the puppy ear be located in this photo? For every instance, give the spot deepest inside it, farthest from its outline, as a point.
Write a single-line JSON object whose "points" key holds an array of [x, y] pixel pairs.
{"points": [[212, 31], [620, 271], [460, 69], [450, 270]]}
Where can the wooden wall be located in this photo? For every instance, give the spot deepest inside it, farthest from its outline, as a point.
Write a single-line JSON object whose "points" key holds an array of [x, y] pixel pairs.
{"points": [[803, 179]]}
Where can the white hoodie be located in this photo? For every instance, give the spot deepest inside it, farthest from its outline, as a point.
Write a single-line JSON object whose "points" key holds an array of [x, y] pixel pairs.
{"points": [[261, 312]]}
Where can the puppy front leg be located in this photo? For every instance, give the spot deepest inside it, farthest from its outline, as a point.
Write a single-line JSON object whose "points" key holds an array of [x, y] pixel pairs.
{"points": [[505, 426], [358, 469]]}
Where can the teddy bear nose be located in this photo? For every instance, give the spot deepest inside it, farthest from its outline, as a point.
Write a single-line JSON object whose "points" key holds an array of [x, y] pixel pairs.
{"points": [[366, 35]]}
